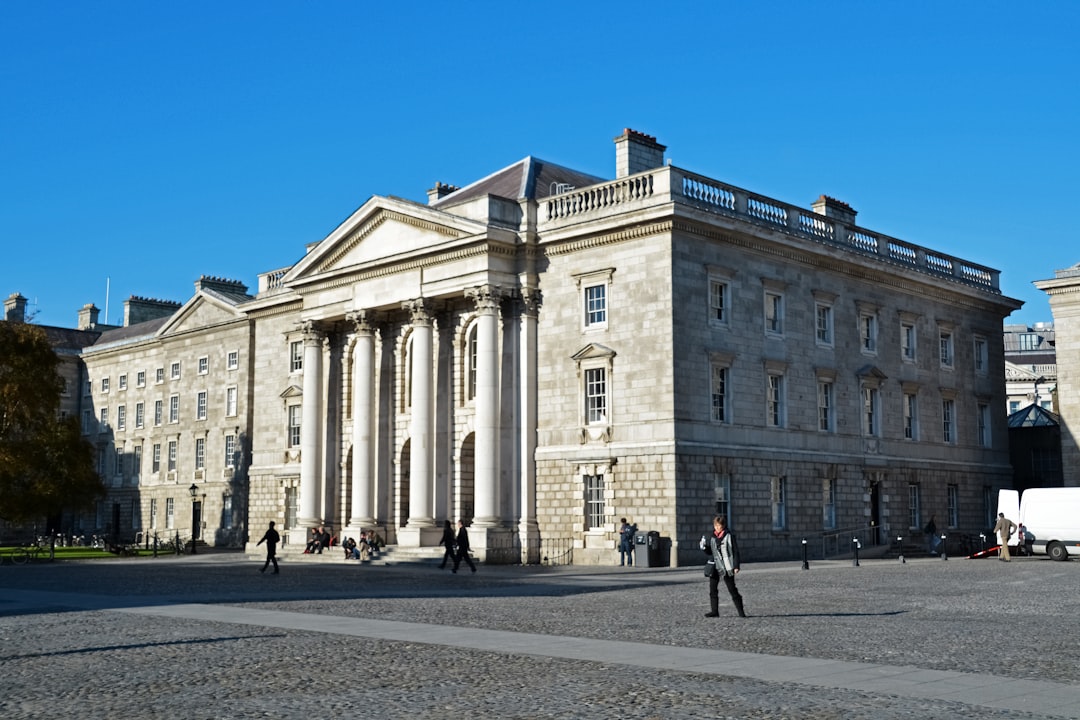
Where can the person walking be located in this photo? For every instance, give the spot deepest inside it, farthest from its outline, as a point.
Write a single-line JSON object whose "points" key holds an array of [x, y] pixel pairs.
{"points": [[1004, 528], [724, 550], [271, 538], [448, 544], [462, 548]]}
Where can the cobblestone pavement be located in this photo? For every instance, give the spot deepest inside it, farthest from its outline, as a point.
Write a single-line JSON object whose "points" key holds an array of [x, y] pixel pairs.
{"points": [[95, 640]]}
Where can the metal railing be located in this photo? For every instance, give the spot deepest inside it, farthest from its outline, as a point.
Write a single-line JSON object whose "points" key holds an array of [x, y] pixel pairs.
{"points": [[509, 550]]}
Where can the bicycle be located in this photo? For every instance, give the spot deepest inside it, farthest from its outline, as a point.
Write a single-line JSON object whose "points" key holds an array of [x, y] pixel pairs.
{"points": [[25, 553]]}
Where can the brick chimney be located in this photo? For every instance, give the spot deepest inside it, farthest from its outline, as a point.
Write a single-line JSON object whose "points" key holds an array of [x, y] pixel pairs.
{"points": [[836, 209], [225, 285], [15, 308], [139, 309], [637, 152], [88, 317], [439, 192]]}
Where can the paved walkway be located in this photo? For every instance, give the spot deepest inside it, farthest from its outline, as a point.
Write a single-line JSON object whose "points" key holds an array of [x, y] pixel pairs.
{"points": [[976, 689]]}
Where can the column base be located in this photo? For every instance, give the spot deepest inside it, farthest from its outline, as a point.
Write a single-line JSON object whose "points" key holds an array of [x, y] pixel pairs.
{"points": [[420, 536]]}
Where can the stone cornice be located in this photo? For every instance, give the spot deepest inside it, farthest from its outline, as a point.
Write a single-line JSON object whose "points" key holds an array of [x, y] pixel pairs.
{"points": [[593, 241]]}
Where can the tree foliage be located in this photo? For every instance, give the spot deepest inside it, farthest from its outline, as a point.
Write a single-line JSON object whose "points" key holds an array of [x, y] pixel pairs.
{"points": [[46, 465]]}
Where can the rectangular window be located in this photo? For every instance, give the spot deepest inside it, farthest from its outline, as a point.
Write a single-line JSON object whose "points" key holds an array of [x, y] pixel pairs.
{"points": [[774, 314], [155, 462], [911, 416], [984, 425], [230, 451], [291, 504], [122, 382], [596, 396], [907, 342], [828, 504], [294, 426], [296, 356], [226, 511], [159, 375], [119, 461], [1014, 405], [121, 417], [871, 423], [470, 374], [174, 371], [170, 514], [140, 379], [200, 405], [953, 499], [825, 405], [775, 401], [200, 453], [719, 393], [204, 365], [596, 306], [136, 461], [946, 344], [824, 325], [718, 302], [172, 456], [174, 409], [1029, 341], [157, 412], [87, 422], [868, 333], [981, 352], [104, 417], [594, 501], [948, 414], [140, 414], [232, 360], [914, 509], [230, 402], [779, 503], [104, 385], [722, 491], [153, 513]]}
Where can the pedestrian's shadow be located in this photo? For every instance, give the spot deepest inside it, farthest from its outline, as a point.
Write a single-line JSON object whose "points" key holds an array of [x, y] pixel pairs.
{"points": [[832, 614]]}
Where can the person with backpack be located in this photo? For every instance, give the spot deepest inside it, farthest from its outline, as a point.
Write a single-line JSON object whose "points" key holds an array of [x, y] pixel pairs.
{"points": [[626, 543]]}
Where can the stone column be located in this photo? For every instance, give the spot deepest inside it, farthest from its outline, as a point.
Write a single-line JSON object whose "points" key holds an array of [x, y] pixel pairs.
{"points": [[486, 425], [363, 413], [527, 527], [421, 427], [310, 426]]}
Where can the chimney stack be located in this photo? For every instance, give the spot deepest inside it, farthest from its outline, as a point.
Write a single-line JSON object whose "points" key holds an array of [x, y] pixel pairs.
{"points": [[88, 317], [439, 192], [140, 309], [225, 285], [637, 152], [836, 209], [15, 308]]}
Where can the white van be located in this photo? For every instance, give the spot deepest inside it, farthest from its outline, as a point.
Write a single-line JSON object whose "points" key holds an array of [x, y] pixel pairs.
{"points": [[1052, 515]]}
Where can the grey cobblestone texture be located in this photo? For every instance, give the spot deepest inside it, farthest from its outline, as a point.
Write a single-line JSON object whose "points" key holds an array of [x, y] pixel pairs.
{"points": [[132, 639]]}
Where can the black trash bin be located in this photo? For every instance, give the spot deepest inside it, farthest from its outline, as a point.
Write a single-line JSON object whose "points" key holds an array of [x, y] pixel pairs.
{"points": [[654, 549], [641, 549]]}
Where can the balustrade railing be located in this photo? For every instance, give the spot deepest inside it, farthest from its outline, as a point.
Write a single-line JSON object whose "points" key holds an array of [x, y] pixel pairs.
{"points": [[670, 184]]}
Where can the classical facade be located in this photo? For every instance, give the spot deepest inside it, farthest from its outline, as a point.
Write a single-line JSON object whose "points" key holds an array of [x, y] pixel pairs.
{"points": [[542, 352], [1064, 293]]}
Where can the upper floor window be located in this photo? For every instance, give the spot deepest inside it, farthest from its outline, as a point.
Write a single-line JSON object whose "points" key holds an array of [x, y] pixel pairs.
{"points": [[946, 344], [774, 405], [984, 425], [200, 453], [230, 402], [140, 379], [871, 411], [294, 425], [157, 412], [174, 409], [719, 393], [139, 414], [948, 420], [826, 402], [907, 341], [911, 416], [121, 417], [232, 360], [596, 306], [296, 356], [719, 301], [122, 382], [174, 371], [470, 363], [204, 365], [824, 324], [1029, 341], [105, 385], [981, 353], [868, 333], [230, 451], [774, 313], [779, 503], [596, 396], [200, 405], [159, 375]]}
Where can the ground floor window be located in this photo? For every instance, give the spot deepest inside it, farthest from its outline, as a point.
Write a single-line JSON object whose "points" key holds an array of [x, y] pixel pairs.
{"points": [[595, 513]]}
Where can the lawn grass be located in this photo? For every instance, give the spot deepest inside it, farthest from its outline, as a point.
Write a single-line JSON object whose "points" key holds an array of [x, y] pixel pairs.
{"points": [[74, 553]]}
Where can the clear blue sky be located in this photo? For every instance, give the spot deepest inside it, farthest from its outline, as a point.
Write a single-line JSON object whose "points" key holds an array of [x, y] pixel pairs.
{"points": [[152, 142]]}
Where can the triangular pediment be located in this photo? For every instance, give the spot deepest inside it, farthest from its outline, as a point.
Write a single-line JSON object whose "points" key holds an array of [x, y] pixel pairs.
{"points": [[870, 371], [593, 351], [383, 230], [201, 311], [1016, 373], [293, 391]]}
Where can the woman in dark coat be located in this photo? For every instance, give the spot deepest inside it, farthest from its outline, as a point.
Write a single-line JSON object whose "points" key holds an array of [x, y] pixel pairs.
{"points": [[721, 546], [448, 543]]}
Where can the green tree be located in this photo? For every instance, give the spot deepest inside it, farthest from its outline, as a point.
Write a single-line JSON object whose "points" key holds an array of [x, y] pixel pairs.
{"points": [[46, 465]]}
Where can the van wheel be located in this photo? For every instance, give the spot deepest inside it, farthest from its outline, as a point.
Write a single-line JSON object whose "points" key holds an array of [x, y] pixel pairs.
{"points": [[1057, 551]]}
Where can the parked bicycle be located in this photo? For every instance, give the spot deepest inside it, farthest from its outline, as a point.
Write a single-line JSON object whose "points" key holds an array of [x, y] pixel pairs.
{"points": [[25, 553]]}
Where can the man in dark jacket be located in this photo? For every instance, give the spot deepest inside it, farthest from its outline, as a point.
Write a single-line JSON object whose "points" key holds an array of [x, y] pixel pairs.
{"points": [[462, 547], [271, 538]]}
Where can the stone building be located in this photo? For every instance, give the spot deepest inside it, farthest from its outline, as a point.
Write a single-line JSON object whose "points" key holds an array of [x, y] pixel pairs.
{"points": [[1064, 294], [543, 351], [1030, 366], [168, 406]]}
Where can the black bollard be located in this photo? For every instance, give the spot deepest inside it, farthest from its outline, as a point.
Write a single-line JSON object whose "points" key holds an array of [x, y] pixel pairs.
{"points": [[900, 542], [805, 561], [944, 550], [855, 557]]}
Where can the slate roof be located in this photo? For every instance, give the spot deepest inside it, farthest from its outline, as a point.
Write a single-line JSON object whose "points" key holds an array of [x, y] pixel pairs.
{"points": [[530, 178]]}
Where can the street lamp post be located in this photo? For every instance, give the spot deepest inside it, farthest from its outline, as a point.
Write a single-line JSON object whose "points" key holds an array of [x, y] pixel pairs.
{"points": [[194, 490]]}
